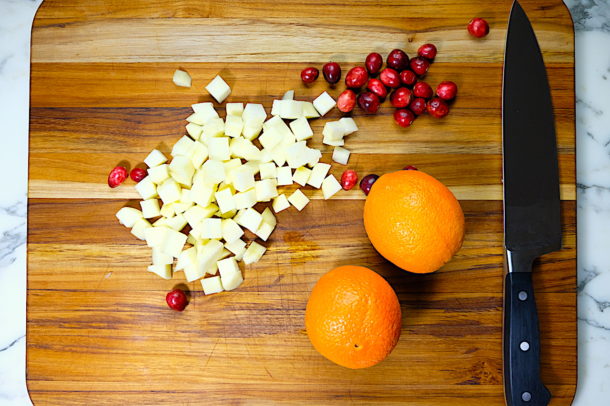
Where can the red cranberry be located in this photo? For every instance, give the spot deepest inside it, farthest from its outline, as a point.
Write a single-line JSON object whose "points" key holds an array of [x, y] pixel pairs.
{"points": [[401, 97], [346, 101], [367, 183], [176, 300], [349, 179], [407, 77], [438, 108], [422, 89], [419, 65], [418, 106], [356, 77], [332, 72], [369, 102], [404, 117], [446, 90], [478, 27], [373, 63], [390, 77], [398, 59], [410, 168], [376, 86], [137, 174], [309, 75], [117, 176], [427, 51]]}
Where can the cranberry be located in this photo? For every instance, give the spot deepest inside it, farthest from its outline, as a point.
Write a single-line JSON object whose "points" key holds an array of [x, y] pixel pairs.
{"points": [[422, 89], [369, 102], [410, 168], [117, 176], [137, 174], [367, 183], [446, 90], [376, 86], [356, 77], [176, 300], [418, 106], [419, 65], [346, 101], [398, 59], [427, 51], [478, 27], [390, 77], [332, 72], [349, 179], [438, 108], [373, 63], [401, 97], [309, 75], [407, 77], [404, 117]]}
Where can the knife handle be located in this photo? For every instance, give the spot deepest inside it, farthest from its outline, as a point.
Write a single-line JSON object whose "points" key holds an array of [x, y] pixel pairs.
{"points": [[522, 383]]}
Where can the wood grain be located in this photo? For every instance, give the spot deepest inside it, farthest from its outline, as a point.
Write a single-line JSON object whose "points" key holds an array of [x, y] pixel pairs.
{"points": [[99, 331]]}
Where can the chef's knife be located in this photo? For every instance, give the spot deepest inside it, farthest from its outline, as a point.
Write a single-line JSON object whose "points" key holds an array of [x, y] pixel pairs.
{"points": [[532, 225]]}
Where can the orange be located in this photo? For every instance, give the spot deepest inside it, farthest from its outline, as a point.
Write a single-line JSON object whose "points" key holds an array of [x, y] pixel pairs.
{"points": [[353, 317], [413, 220]]}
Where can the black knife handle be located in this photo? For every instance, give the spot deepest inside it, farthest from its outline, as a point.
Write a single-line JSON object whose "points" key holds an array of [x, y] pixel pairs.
{"points": [[522, 383]]}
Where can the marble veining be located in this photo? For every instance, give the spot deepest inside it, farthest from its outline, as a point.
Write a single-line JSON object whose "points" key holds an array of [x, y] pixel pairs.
{"points": [[592, 25]]}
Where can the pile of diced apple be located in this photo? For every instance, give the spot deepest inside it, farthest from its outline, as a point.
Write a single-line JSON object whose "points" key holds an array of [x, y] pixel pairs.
{"points": [[216, 176]]}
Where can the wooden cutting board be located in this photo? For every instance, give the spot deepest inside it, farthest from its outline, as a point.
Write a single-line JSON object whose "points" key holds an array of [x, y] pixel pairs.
{"points": [[99, 331]]}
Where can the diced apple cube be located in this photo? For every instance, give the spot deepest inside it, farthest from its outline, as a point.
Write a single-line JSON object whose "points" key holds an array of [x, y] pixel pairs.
{"points": [[264, 231], [314, 157], [230, 274], [162, 221], [318, 173], [231, 231], [167, 210], [225, 200], [218, 149], [237, 247], [297, 154], [212, 172], [215, 127], [164, 271], [280, 203], [341, 155], [245, 199], [267, 170], [284, 176], [330, 186], [270, 138], [181, 78], [268, 217], [289, 95], [180, 207], [156, 236], [194, 130], [128, 216], [182, 170], [279, 155], [211, 228], [254, 252], [333, 130], [290, 109], [301, 175], [205, 112], [230, 165], [146, 188], [177, 223], [243, 148], [254, 113], [199, 153], [207, 256], [159, 258], [276, 107], [196, 214], [169, 191], [249, 219], [301, 129], [253, 165], [150, 208], [333, 142], [233, 126], [186, 259], [265, 189], [155, 158], [252, 129], [183, 146], [242, 178], [298, 199], [218, 88], [309, 111], [278, 125], [349, 125], [140, 227], [324, 103], [158, 174], [265, 156], [202, 193], [234, 109], [190, 238], [211, 285]]}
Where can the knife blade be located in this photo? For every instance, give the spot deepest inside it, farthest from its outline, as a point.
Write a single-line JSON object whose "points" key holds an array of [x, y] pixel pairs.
{"points": [[532, 224]]}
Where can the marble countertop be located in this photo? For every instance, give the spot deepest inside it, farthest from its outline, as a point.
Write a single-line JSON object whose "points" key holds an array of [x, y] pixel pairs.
{"points": [[592, 24]]}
